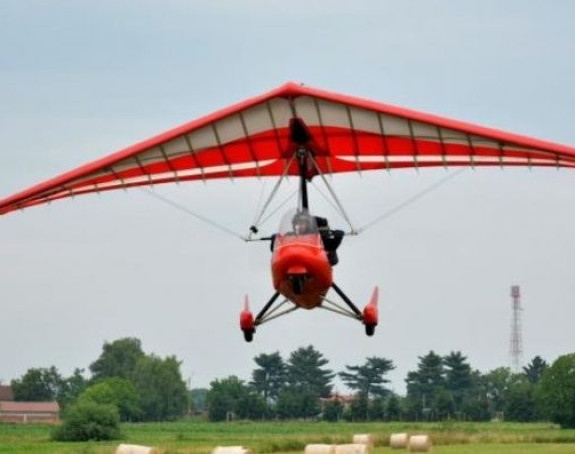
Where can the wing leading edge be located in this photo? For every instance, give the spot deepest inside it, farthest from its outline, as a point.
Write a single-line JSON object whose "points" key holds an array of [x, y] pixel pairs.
{"points": [[254, 138]]}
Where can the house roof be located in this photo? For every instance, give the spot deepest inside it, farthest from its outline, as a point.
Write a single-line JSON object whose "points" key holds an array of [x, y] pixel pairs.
{"points": [[6, 393], [342, 398], [29, 407]]}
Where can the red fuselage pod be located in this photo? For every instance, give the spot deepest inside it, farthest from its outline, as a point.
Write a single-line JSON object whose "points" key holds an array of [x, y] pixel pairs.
{"points": [[300, 269]]}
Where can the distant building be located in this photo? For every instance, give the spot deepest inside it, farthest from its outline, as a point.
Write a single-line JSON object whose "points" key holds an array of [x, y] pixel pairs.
{"points": [[6, 393], [25, 412], [344, 399]]}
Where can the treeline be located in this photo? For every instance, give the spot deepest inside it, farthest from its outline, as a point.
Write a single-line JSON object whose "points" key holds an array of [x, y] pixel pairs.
{"points": [[440, 388], [144, 387], [140, 386]]}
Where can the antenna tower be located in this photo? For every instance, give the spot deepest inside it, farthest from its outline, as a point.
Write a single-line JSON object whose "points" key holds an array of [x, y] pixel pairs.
{"points": [[515, 342]]}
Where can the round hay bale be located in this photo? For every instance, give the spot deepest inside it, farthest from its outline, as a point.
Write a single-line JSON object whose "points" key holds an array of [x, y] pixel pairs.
{"points": [[363, 439], [419, 443], [354, 448], [319, 449], [231, 450], [398, 441], [135, 449]]}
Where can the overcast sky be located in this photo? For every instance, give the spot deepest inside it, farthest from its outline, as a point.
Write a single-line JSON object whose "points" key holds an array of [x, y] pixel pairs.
{"points": [[79, 80]]}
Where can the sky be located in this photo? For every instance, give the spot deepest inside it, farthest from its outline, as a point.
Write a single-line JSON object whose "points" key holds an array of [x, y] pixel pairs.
{"points": [[80, 80]]}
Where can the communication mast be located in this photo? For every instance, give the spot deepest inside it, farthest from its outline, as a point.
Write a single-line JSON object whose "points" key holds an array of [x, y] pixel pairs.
{"points": [[515, 342]]}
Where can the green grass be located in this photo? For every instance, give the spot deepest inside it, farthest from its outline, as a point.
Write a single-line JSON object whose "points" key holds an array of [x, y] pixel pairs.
{"points": [[198, 437]]}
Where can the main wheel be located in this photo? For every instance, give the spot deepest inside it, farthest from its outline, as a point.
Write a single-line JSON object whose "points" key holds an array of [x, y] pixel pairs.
{"points": [[369, 330], [248, 335]]}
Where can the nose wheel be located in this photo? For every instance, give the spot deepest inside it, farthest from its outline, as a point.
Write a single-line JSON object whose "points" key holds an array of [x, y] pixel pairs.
{"points": [[297, 281]]}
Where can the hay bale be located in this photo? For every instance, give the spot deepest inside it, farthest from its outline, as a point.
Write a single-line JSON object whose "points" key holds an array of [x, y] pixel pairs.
{"points": [[319, 449], [419, 443], [353, 448], [135, 449], [398, 441], [231, 450], [364, 439]]}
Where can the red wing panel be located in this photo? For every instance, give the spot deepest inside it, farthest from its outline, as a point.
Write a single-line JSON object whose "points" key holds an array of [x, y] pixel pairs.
{"points": [[252, 138]]}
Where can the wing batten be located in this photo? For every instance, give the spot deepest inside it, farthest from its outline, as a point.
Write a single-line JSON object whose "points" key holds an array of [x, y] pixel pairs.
{"points": [[414, 143], [249, 143], [325, 144], [353, 137], [385, 145]]}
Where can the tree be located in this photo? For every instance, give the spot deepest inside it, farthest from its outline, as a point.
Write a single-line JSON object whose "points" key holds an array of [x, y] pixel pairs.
{"points": [[520, 403], [556, 392], [224, 398], [393, 408], [251, 405], [162, 390], [198, 399], [289, 404], [457, 377], [118, 359], [368, 380], [376, 409], [39, 384], [535, 369], [118, 392], [270, 377], [425, 387], [475, 405], [332, 411], [306, 372], [89, 421], [74, 386], [497, 384], [307, 381], [293, 403], [359, 408]]}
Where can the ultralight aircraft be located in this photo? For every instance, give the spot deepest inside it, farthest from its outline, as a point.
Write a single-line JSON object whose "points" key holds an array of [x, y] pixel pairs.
{"points": [[306, 133]]}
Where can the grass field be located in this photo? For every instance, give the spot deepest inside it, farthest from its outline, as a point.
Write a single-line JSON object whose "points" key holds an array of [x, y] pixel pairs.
{"points": [[197, 437]]}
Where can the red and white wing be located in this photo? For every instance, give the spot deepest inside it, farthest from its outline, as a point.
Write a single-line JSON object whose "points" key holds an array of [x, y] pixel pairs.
{"points": [[255, 138]]}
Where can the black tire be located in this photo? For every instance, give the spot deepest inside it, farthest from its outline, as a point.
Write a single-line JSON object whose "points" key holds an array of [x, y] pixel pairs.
{"points": [[248, 336], [297, 284], [369, 330]]}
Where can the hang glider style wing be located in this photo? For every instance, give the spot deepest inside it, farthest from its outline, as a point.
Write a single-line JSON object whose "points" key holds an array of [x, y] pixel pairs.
{"points": [[258, 137]]}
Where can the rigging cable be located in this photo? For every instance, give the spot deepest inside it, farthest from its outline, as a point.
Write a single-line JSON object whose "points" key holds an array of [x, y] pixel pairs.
{"points": [[328, 200], [412, 199], [276, 209], [258, 218], [353, 231], [192, 213]]}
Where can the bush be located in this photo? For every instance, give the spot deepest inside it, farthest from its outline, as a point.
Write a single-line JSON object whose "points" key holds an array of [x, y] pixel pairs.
{"points": [[118, 392], [87, 421]]}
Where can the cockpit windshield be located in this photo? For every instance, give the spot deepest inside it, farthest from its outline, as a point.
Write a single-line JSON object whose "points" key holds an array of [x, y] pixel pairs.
{"points": [[298, 222]]}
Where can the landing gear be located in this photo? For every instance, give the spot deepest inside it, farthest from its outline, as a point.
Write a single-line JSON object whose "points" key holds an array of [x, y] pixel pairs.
{"points": [[248, 323], [369, 316]]}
